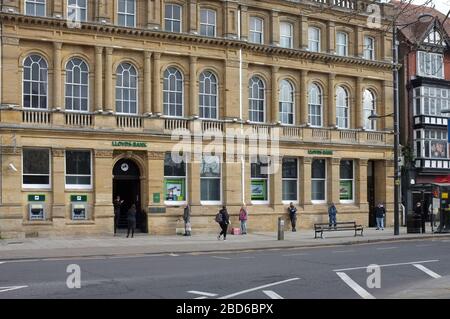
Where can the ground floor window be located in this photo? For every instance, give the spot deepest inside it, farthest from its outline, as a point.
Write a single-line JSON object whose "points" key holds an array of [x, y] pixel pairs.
{"points": [[290, 180], [36, 168], [259, 180], [78, 169], [210, 179], [318, 180], [346, 186], [174, 178]]}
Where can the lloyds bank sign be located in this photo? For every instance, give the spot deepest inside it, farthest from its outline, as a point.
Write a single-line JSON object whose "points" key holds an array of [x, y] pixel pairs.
{"points": [[128, 144]]}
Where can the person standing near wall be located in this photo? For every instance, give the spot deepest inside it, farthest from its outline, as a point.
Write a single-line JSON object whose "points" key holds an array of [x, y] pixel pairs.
{"points": [[187, 220], [293, 216], [380, 213], [117, 203], [131, 218], [243, 217], [332, 212]]}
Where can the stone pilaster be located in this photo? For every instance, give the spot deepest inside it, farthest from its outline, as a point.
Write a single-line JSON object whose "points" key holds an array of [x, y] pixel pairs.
{"points": [[157, 102], [361, 180], [275, 22], [331, 36], [305, 181], [331, 100], [358, 104], [244, 23], [275, 108], [98, 79], [304, 37], [109, 95], [103, 166], [57, 77], [304, 112], [156, 176], [193, 16], [147, 82], [58, 181], [359, 43], [193, 88], [333, 179]]}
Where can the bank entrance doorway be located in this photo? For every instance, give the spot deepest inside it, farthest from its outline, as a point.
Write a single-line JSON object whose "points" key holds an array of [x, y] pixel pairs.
{"points": [[127, 185]]}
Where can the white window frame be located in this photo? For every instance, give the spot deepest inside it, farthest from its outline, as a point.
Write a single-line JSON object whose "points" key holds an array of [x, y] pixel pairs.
{"points": [[124, 88], [433, 135], [79, 10], [289, 38], [258, 100], [369, 48], [345, 107], [186, 186], [31, 81], [311, 41], [342, 46], [423, 65], [267, 179], [253, 31], [324, 201], [353, 182], [210, 202], [206, 95], [73, 84], [36, 3], [368, 111], [38, 186], [78, 186], [426, 95], [171, 19], [126, 13], [310, 105], [169, 91], [287, 202], [282, 102], [208, 24]]}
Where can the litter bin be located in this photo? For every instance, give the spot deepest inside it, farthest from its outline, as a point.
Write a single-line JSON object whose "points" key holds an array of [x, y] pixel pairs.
{"points": [[413, 224]]}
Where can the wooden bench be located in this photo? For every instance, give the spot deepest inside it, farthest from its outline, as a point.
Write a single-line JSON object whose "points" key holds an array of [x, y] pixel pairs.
{"points": [[321, 227]]}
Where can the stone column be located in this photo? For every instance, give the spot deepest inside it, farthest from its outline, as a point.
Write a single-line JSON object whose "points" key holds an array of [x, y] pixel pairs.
{"points": [[386, 107], [193, 90], [361, 183], [98, 79], [157, 102], [331, 36], [103, 209], [193, 182], [156, 176], [147, 83], [331, 100], [58, 182], [304, 40], [333, 180], [57, 78], [275, 22], [358, 105], [193, 14], [231, 102], [359, 42], [305, 181], [244, 23], [275, 108], [304, 112], [276, 186], [109, 93], [232, 183]]}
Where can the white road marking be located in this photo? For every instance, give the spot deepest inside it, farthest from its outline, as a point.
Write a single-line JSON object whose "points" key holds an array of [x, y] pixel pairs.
{"points": [[200, 298], [357, 288], [227, 258], [5, 289], [427, 271], [258, 288], [2, 262], [174, 255], [299, 254], [390, 265], [249, 257], [343, 251], [201, 293], [386, 248], [425, 245], [272, 294]]}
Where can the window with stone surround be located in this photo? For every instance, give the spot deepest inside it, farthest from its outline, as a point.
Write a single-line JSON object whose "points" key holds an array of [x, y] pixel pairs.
{"points": [[35, 8], [35, 168], [126, 13], [314, 39], [318, 181], [257, 100], [77, 10], [369, 108], [208, 22], [210, 180], [77, 85], [35, 82], [173, 98], [78, 169], [173, 18], [341, 43], [174, 179], [347, 182], [342, 107], [315, 105], [126, 89], [286, 35], [259, 180], [369, 48], [208, 95], [286, 102], [290, 180], [256, 31]]}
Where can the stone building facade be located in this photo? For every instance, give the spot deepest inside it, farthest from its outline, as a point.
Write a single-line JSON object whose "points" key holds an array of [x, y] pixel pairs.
{"points": [[91, 92]]}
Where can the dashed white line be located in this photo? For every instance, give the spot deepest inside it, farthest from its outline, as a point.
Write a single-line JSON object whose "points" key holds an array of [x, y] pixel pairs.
{"points": [[201, 293], [386, 248], [342, 251], [299, 254], [201, 298], [174, 255], [427, 271], [258, 288], [5, 289], [225, 258], [391, 265], [357, 288], [272, 295]]}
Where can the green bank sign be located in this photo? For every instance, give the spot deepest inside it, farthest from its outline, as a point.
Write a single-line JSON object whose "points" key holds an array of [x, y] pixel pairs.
{"points": [[128, 144], [320, 152]]}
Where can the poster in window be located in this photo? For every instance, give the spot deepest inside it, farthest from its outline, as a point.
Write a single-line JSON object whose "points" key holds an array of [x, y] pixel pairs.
{"points": [[438, 149], [259, 190], [174, 190], [346, 190]]}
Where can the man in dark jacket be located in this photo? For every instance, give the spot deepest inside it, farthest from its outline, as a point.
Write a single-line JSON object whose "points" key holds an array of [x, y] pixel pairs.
{"points": [[224, 222], [117, 204], [380, 213], [418, 211], [293, 216], [332, 212], [187, 220]]}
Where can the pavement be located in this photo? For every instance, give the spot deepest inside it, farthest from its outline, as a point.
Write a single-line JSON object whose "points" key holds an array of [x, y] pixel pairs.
{"points": [[144, 244]]}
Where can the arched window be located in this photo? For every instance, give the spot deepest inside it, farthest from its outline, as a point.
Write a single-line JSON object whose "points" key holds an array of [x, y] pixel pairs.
{"points": [[286, 35], [286, 102], [126, 89], [256, 99], [342, 43], [315, 105], [173, 92], [77, 85], [208, 95], [35, 82], [342, 112], [369, 107]]}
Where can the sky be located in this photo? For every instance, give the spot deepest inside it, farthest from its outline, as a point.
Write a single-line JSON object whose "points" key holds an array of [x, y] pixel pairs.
{"points": [[441, 5]]}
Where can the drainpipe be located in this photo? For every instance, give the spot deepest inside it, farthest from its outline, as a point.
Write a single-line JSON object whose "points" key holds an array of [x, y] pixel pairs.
{"points": [[241, 112]]}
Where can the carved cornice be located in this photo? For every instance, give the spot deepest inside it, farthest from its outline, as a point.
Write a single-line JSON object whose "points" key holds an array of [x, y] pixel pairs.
{"points": [[11, 150], [193, 39], [103, 153]]}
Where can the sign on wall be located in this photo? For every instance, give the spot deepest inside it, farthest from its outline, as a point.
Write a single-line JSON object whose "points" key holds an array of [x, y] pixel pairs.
{"points": [[128, 144], [36, 198], [78, 198], [320, 152], [156, 198]]}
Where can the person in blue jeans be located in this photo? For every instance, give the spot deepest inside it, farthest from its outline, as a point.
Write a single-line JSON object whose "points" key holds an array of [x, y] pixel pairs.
{"points": [[380, 213], [332, 211]]}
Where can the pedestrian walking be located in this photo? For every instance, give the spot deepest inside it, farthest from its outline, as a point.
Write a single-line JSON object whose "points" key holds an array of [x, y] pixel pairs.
{"points": [[243, 217], [332, 212], [293, 216], [117, 203], [380, 213], [419, 211], [131, 218], [224, 220], [187, 220]]}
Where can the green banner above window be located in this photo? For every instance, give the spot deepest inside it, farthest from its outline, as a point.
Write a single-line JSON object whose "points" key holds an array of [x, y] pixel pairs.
{"points": [[78, 198], [36, 198], [128, 144], [320, 152]]}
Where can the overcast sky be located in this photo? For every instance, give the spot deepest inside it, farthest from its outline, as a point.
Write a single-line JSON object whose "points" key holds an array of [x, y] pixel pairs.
{"points": [[441, 5]]}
